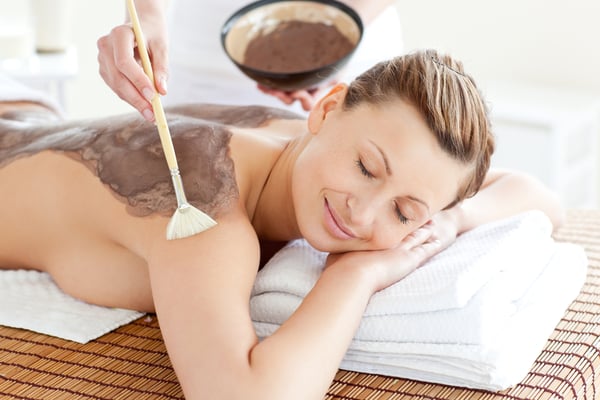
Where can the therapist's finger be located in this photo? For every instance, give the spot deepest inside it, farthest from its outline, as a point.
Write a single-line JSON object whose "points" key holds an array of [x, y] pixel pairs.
{"points": [[115, 53], [126, 63], [305, 97], [159, 58], [279, 94]]}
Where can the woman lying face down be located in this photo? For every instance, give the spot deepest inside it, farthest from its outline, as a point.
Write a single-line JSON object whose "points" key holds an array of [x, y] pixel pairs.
{"points": [[383, 174]]}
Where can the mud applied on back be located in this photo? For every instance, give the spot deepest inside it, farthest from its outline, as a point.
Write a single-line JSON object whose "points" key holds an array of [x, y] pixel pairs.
{"points": [[125, 153]]}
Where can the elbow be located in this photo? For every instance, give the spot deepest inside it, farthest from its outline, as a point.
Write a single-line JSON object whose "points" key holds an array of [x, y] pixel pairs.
{"points": [[546, 200], [248, 383], [556, 212], [530, 193]]}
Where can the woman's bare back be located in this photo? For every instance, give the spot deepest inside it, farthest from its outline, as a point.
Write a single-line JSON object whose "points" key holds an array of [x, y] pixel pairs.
{"points": [[74, 193]]}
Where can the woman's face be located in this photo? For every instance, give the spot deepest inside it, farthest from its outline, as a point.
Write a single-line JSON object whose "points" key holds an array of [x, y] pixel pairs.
{"points": [[370, 176]]}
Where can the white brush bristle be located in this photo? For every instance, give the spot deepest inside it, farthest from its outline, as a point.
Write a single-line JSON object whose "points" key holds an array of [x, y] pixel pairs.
{"points": [[188, 221]]}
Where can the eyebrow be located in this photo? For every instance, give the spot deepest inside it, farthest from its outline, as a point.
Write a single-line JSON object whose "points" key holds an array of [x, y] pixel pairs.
{"points": [[418, 201], [385, 159], [388, 170]]}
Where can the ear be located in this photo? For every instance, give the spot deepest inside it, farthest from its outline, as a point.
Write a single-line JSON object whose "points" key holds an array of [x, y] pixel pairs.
{"points": [[331, 101]]}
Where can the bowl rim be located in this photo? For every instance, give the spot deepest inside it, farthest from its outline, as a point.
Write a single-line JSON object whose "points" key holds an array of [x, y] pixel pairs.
{"points": [[232, 19]]}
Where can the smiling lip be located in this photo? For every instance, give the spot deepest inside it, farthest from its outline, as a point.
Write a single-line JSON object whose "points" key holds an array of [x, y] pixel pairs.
{"points": [[335, 227]]}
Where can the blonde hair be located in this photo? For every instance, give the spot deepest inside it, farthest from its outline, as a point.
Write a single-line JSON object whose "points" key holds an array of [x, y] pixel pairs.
{"points": [[447, 98]]}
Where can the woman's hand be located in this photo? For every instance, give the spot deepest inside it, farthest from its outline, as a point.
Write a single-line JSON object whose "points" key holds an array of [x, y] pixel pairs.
{"points": [[119, 63], [386, 267]]}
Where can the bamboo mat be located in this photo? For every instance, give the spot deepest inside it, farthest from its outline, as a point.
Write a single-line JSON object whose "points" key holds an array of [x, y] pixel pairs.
{"points": [[131, 362]]}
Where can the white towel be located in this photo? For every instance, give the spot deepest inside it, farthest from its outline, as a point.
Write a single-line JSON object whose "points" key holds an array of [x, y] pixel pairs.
{"points": [[11, 90], [450, 279], [458, 320], [31, 300]]}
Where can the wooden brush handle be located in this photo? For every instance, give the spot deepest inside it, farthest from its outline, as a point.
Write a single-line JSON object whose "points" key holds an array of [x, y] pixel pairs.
{"points": [[159, 113]]}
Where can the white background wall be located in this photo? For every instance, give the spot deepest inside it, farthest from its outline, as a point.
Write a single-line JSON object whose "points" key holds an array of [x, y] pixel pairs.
{"points": [[539, 41], [549, 42], [88, 95]]}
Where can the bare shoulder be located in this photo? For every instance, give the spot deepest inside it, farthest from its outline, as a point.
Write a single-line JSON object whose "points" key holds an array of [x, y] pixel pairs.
{"points": [[220, 263], [233, 230]]}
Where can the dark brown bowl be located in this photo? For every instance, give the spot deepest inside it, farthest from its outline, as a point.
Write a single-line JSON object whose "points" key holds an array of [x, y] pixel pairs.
{"points": [[248, 22]]}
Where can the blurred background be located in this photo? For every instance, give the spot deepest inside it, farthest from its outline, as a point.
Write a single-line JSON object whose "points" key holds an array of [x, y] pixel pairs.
{"points": [[536, 61]]}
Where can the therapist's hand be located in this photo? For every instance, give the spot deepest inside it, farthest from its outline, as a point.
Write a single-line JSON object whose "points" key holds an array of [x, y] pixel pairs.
{"points": [[307, 98], [120, 66]]}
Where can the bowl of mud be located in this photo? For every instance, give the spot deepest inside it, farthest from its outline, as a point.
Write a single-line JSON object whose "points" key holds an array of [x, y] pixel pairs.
{"points": [[292, 44]]}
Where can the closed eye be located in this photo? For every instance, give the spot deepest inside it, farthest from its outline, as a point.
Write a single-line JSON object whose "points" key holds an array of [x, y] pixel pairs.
{"points": [[399, 215], [364, 169]]}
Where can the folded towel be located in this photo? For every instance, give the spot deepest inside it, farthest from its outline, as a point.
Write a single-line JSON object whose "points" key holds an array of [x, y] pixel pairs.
{"points": [[11, 90], [31, 300], [430, 305], [502, 279], [493, 365]]}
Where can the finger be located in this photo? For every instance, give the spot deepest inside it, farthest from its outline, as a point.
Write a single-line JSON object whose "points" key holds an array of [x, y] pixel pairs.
{"points": [[263, 89], [305, 97], [117, 81], [426, 250], [283, 96], [159, 56], [279, 94], [125, 90], [129, 93], [132, 84], [416, 238], [127, 65]]}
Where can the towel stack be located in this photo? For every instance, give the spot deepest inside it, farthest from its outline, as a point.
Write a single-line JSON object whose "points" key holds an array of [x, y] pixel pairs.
{"points": [[476, 315]]}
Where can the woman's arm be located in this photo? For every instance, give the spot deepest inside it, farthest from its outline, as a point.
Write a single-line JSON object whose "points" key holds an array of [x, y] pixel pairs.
{"points": [[502, 194], [201, 287]]}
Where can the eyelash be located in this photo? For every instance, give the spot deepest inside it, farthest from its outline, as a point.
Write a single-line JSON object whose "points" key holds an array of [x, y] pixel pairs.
{"points": [[368, 174], [401, 217], [364, 169]]}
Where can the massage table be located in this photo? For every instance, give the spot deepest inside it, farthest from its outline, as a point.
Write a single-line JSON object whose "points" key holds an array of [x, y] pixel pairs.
{"points": [[131, 362]]}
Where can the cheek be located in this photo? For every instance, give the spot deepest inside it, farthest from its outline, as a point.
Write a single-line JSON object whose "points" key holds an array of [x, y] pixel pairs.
{"points": [[390, 235], [317, 169], [305, 184]]}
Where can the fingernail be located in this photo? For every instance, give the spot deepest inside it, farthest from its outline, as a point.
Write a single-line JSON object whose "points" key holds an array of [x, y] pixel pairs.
{"points": [[148, 114], [148, 94], [163, 83]]}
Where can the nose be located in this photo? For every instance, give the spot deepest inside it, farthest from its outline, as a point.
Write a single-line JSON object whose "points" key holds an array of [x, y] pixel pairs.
{"points": [[363, 208]]}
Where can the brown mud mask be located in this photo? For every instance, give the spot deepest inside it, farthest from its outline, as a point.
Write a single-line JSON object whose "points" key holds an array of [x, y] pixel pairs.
{"points": [[124, 152]]}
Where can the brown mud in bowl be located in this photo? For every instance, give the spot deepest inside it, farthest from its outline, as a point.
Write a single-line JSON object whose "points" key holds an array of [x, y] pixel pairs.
{"points": [[325, 34], [295, 46]]}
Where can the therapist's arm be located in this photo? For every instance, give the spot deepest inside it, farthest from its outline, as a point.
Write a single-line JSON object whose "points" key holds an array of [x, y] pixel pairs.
{"points": [[368, 9]]}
